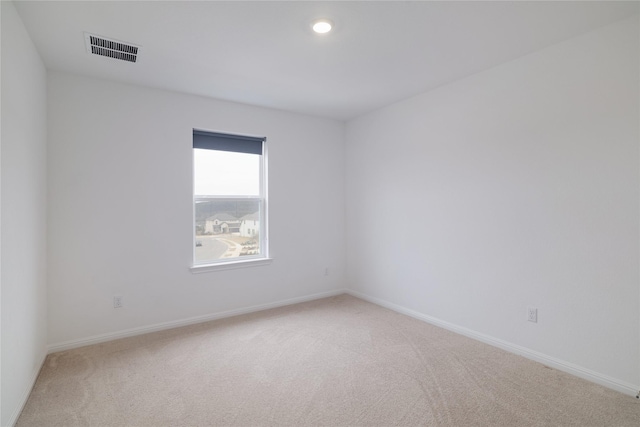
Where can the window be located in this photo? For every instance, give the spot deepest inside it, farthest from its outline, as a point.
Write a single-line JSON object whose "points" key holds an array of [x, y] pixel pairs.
{"points": [[229, 198]]}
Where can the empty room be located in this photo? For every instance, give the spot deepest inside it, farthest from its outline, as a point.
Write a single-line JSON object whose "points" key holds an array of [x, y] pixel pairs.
{"points": [[340, 213]]}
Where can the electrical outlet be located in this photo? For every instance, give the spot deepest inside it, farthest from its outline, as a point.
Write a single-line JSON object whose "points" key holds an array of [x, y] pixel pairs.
{"points": [[532, 314], [117, 301], [326, 271]]}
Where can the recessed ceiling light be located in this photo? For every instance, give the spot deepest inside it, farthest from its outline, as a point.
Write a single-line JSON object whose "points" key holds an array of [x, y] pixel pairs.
{"points": [[322, 26]]}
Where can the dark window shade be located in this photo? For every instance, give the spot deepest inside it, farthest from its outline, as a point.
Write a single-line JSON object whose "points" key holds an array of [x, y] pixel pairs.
{"points": [[226, 142]]}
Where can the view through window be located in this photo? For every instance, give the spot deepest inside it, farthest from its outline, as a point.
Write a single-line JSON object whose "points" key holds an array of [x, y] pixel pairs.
{"points": [[229, 201]]}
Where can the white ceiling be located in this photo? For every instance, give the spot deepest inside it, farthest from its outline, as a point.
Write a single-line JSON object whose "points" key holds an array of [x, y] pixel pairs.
{"points": [[264, 53]]}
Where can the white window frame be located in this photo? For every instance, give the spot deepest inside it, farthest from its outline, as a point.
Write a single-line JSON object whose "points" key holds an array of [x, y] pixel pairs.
{"points": [[263, 257]]}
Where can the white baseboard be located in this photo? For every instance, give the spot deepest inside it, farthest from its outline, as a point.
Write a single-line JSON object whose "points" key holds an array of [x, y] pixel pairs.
{"points": [[27, 391], [68, 345], [561, 365]]}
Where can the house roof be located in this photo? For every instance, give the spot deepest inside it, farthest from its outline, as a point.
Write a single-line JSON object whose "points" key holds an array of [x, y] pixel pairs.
{"points": [[251, 217], [222, 217]]}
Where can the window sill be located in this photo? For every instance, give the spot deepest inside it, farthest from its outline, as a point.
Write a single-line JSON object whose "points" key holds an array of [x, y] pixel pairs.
{"points": [[205, 268]]}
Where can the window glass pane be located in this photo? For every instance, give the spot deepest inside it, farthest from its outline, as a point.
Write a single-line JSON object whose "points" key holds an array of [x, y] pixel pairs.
{"points": [[227, 229], [225, 173]]}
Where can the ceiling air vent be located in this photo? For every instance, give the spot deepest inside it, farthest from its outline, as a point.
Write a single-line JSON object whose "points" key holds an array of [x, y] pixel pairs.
{"points": [[111, 48]]}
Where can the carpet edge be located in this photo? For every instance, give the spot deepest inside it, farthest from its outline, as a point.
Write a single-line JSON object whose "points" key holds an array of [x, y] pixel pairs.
{"points": [[561, 365], [13, 419], [96, 339]]}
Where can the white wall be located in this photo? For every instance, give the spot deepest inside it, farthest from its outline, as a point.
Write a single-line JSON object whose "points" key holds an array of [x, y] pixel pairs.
{"points": [[514, 187], [23, 213], [120, 202]]}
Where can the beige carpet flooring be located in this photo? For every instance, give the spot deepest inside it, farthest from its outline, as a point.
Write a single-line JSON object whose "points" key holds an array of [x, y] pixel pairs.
{"points": [[338, 361]]}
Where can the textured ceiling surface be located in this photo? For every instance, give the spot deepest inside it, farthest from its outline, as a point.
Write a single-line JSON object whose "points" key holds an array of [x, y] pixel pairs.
{"points": [[264, 53]]}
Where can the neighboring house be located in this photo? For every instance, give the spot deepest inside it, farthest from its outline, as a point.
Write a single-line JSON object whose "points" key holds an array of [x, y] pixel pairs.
{"points": [[250, 225], [222, 223]]}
